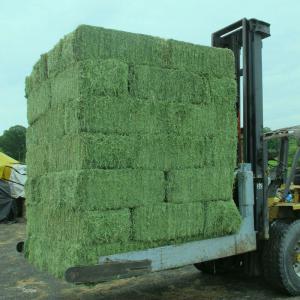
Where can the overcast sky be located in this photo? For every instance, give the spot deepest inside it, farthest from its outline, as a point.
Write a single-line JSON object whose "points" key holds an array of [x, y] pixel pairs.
{"points": [[29, 28]]}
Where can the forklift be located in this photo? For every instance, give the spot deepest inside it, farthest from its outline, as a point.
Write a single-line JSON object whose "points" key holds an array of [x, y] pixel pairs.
{"points": [[276, 189], [268, 242]]}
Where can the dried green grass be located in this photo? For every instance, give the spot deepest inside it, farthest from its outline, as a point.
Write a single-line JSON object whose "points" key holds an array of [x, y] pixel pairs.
{"points": [[200, 185], [127, 116], [131, 145], [88, 42], [156, 152], [98, 189]]}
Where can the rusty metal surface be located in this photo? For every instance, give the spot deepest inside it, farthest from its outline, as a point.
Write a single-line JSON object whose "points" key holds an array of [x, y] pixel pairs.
{"points": [[20, 280]]}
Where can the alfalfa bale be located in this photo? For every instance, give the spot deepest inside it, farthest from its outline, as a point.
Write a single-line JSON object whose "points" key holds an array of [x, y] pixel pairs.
{"points": [[48, 127], [168, 222], [98, 189], [38, 75], [90, 227], [168, 84], [158, 152], [202, 60], [37, 159], [200, 185], [221, 218], [125, 116], [181, 86], [38, 101], [89, 42], [162, 132], [55, 232], [90, 78]]}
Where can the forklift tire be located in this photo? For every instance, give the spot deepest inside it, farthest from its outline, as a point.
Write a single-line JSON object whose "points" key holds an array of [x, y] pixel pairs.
{"points": [[281, 257]]}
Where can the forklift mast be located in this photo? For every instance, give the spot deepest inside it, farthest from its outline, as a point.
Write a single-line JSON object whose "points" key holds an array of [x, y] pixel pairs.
{"points": [[244, 38]]}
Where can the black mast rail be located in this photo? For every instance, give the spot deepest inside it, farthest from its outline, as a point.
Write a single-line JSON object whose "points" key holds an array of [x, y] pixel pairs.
{"points": [[247, 35]]}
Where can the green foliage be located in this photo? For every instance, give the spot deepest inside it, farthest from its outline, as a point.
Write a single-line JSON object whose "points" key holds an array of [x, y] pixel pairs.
{"points": [[13, 142]]}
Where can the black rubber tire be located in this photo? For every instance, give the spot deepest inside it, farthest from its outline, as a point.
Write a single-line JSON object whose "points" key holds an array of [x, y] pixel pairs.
{"points": [[277, 258]]}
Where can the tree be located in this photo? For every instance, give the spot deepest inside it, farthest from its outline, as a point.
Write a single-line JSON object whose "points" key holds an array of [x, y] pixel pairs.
{"points": [[13, 142]]}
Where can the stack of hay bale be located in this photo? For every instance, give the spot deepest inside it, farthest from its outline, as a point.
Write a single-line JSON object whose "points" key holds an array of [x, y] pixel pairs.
{"points": [[131, 145]]}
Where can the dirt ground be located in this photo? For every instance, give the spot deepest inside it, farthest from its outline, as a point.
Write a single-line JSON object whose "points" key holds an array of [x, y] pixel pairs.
{"points": [[20, 280]]}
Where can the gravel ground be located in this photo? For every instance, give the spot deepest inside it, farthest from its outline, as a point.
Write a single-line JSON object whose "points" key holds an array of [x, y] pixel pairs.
{"points": [[20, 280]]}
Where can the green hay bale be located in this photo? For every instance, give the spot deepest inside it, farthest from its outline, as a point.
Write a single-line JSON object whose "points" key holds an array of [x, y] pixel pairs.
{"points": [[55, 260], [126, 116], [38, 102], [120, 109], [97, 189], [89, 227], [38, 75], [54, 256], [37, 159], [47, 128], [205, 184], [90, 78], [153, 226], [222, 218], [223, 92], [168, 84], [182, 86], [82, 80], [51, 233], [202, 59], [110, 78], [160, 152], [88, 42], [167, 222]]}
